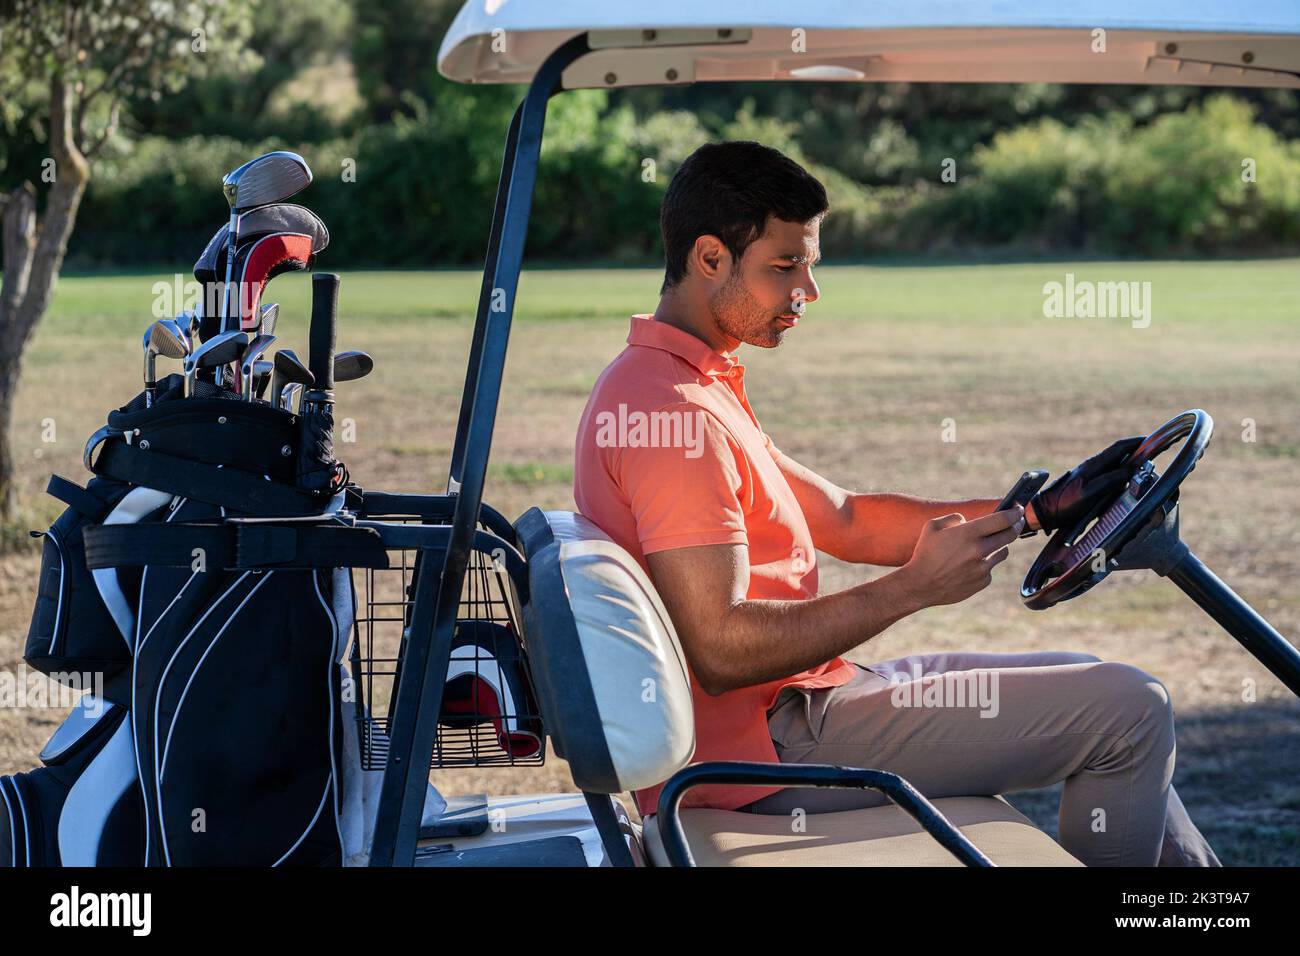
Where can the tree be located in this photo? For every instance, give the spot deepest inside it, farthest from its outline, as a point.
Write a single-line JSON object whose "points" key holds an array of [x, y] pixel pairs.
{"points": [[395, 52], [288, 37], [65, 68]]}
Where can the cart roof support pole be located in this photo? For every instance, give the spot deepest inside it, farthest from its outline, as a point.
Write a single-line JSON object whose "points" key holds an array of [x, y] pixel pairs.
{"points": [[457, 472], [415, 717]]}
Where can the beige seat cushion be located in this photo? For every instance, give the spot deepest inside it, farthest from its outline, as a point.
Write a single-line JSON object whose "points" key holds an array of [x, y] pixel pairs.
{"points": [[879, 836]]}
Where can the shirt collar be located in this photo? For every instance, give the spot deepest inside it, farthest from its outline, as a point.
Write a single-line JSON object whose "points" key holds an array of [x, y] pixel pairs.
{"points": [[647, 331]]}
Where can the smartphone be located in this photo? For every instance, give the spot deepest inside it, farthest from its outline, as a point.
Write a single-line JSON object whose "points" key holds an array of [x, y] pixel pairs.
{"points": [[1024, 489]]}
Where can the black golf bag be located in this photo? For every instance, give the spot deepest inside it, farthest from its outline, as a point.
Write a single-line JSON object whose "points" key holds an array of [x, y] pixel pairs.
{"points": [[220, 726]]}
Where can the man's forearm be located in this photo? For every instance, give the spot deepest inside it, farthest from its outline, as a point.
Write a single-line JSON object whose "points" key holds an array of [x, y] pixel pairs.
{"points": [[884, 527], [768, 640]]}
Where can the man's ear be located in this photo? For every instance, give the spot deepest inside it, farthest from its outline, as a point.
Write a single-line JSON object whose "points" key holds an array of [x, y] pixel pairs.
{"points": [[712, 258]]}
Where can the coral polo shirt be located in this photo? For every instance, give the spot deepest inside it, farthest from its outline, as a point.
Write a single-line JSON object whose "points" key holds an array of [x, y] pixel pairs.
{"points": [[669, 455]]}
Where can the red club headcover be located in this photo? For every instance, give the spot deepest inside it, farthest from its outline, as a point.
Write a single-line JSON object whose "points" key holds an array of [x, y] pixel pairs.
{"points": [[265, 259]]}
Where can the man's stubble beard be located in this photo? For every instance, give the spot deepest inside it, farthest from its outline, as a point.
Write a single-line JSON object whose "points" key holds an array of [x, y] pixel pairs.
{"points": [[739, 315]]}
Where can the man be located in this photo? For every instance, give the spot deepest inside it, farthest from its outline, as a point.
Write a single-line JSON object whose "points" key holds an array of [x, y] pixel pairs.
{"points": [[671, 462]]}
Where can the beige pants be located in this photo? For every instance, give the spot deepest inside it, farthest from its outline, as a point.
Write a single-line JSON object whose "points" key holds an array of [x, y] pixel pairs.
{"points": [[960, 724]]}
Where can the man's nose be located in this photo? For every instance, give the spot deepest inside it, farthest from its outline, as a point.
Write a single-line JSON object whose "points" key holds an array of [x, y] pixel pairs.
{"points": [[807, 290]]}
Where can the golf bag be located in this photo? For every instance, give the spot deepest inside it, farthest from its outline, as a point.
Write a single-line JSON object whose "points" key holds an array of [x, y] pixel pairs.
{"points": [[217, 732]]}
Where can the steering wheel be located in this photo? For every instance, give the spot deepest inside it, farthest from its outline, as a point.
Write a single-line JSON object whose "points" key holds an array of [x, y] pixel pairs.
{"points": [[1080, 557]]}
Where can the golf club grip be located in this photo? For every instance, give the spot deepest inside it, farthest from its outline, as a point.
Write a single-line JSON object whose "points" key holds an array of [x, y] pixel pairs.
{"points": [[324, 311]]}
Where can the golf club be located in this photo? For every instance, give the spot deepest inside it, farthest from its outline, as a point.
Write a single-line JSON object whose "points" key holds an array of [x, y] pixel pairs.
{"points": [[260, 262], [289, 370], [317, 470], [165, 337], [215, 352], [259, 182], [191, 321], [290, 395], [262, 377], [256, 223], [270, 314], [181, 326], [352, 365], [255, 350], [348, 367]]}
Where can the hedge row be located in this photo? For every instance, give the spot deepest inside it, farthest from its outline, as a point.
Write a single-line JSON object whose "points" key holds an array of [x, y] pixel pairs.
{"points": [[419, 191]]}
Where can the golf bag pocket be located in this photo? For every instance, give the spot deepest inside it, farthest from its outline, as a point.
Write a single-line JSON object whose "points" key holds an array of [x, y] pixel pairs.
{"points": [[237, 721], [69, 812], [72, 630]]}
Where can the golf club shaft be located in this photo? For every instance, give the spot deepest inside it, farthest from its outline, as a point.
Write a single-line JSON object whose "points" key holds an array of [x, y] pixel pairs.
{"points": [[150, 379], [230, 268]]}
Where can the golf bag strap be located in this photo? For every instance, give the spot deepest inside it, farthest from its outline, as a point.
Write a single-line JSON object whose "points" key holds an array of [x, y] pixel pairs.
{"points": [[228, 487], [77, 497], [233, 546]]}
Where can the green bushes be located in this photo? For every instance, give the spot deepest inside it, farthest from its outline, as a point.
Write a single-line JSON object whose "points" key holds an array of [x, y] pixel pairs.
{"points": [[418, 190], [1177, 185]]}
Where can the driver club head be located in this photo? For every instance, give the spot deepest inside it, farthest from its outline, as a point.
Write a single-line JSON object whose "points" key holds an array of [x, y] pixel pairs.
{"points": [[269, 178], [219, 350], [352, 365]]}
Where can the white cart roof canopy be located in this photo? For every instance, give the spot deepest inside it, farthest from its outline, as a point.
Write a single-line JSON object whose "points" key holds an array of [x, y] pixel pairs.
{"points": [[1188, 42]]}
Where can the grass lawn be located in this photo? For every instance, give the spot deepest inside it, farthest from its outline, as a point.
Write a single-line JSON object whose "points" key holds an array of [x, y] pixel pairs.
{"points": [[889, 365]]}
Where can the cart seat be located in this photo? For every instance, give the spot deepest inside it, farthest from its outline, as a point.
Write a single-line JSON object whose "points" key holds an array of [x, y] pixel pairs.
{"points": [[877, 836], [615, 696]]}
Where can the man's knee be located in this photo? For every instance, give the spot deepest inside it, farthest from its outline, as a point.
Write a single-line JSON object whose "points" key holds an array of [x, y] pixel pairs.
{"points": [[1133, 690]]}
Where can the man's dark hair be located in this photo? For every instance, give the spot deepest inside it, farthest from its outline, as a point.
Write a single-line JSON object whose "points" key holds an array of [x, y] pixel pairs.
{"points": [[728, 190]]}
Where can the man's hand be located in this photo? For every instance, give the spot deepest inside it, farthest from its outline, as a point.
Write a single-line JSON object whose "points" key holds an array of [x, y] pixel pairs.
{"points": [[954, 558], [1074, 494]]}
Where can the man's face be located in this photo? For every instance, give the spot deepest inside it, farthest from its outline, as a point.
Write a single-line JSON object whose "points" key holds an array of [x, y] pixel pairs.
{"points": [[766, 291]]}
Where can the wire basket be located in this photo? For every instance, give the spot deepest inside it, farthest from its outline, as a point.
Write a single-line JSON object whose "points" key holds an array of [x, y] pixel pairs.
{"points": [[489, 715]]}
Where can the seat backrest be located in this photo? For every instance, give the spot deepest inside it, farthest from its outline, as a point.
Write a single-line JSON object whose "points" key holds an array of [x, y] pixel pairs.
{"points": [[610, 675]]}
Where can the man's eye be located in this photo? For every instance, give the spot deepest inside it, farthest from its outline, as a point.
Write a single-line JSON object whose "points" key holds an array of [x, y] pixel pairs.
{"points": [[785, 268]]}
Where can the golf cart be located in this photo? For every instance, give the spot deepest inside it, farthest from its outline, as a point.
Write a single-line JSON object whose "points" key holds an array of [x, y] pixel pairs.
{"points": [[594, 633]]}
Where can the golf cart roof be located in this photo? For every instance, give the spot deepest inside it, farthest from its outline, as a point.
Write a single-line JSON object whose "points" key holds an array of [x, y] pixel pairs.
{"points": [[1186, 42]]}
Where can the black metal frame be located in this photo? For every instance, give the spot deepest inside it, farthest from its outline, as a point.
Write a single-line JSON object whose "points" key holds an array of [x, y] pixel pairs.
{"points": [[673, 836], [611, 834], [437, 597], [1160, 549]]}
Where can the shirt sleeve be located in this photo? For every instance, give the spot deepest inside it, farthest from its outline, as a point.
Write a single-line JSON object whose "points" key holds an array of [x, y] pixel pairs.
{"points": [[692, 491]]}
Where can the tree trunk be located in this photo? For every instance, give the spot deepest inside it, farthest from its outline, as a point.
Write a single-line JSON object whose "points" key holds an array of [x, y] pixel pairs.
{"points": [[35, 264], [18, 231], [8, 385]]}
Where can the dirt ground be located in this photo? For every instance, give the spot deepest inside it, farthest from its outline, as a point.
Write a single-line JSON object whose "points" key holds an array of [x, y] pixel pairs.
{"points": [[865, 391]]}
